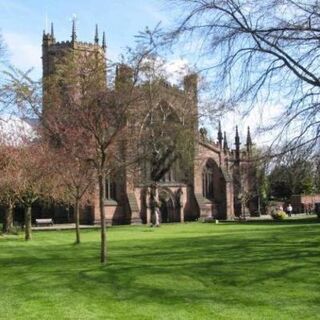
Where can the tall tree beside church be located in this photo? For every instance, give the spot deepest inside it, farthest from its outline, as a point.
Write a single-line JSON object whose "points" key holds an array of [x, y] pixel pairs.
{"points": [[96, 115], [165, 121], [166, 132]]}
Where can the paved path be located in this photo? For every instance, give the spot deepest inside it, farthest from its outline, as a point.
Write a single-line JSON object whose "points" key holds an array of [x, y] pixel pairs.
{"points": [[71, 226], [65, 226], [295, 216]]}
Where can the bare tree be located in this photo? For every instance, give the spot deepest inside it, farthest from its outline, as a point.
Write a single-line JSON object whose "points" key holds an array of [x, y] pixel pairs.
{"points": [[259, 52], [73, 178]]}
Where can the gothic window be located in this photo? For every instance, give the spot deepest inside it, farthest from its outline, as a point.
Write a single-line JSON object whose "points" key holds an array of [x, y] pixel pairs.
{"points": [[110, 189], [163, 130], [207, 182]]}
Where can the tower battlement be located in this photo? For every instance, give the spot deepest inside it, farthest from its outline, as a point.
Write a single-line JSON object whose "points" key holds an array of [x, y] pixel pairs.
{"points": [[52, 48], [73, 45]]}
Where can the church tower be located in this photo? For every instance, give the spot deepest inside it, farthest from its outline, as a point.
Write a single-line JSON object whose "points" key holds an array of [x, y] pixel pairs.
{"points": [[53, 51]]}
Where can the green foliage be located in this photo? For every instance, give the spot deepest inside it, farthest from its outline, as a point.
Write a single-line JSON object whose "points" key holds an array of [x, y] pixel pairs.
{"points": [[263, 185], [278, 215], [179, 271], [292, 177]]}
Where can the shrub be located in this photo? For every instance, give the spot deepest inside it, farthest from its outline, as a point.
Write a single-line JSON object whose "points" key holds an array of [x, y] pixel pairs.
{"points": [[278, 215], [211, 220]]}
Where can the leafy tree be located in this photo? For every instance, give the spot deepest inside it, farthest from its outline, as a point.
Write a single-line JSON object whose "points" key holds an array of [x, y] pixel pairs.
{"points": [[317, 174], [163, 126], [167, 128], [263, 187], [292, 175], [33, 179], [73, 179], [25, 179], [8, 195]]}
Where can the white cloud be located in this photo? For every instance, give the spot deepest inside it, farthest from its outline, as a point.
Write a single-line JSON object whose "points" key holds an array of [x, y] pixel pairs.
{"points": [[172, 70], [15, 131], [23, 52], [258, 120], [176, 69]]}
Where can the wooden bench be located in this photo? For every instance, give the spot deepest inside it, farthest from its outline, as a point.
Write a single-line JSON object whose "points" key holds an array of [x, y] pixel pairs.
{"points": [[46, 222]]}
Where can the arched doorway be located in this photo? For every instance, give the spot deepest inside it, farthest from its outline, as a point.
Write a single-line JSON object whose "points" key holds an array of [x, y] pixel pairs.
{"points": [[167, 206], [214, 187], [208, 175]]}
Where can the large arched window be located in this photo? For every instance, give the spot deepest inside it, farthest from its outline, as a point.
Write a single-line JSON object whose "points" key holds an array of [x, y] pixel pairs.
{"points": [[207, 181]]}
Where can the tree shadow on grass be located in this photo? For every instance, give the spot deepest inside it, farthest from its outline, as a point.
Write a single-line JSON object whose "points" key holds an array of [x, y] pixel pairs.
{"points": [[173, 271]]}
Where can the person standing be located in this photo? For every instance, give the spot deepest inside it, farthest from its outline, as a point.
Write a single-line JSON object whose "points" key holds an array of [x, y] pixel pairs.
{"points": [[157, 211], [157, 216], [289, 210], [155, 206]]}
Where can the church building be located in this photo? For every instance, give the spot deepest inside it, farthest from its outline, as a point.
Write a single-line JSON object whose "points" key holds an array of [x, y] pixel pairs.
{"points": [[220, 182]]}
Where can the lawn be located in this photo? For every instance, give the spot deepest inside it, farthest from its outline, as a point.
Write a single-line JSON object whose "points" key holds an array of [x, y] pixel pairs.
{"points": [[179, 271]]}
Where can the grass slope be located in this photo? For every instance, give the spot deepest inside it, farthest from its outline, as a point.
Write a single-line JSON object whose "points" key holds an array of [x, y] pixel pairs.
{"points": [[190, 271]]}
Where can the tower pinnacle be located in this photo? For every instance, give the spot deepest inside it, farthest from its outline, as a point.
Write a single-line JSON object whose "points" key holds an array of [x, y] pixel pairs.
{"points": [[249, 141], [220, 137], [52, 34], [96, 36], [73, 35], [237, 143], [104, 46], [52, 30], [225, 142], [237, 138]]}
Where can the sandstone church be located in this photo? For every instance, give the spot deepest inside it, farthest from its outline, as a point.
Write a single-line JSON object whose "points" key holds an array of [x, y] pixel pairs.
{"points": [[217, 181]]}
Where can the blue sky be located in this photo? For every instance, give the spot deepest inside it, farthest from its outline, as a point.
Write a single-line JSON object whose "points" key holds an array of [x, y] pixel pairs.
{"points": [[22, 23]]}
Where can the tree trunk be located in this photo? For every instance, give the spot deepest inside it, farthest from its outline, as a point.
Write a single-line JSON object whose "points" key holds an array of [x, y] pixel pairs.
{"points": [[77, 209], [103, 253], [27, 222], [8, 222]]}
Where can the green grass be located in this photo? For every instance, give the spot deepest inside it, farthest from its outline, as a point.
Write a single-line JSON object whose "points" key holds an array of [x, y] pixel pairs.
{"points": [[191, 271]]}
